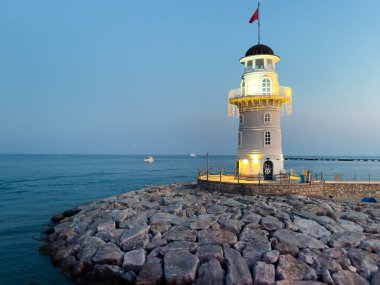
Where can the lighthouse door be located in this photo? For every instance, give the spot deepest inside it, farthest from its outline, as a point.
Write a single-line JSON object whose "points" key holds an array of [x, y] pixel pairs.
{"points": [[268, 170]]}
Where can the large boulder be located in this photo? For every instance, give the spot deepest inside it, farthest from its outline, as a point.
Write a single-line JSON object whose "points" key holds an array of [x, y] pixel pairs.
{"points": [[108, 254], [150, 274], [134, 260], [346, 239], [180, 267], [298, 239], [209, 251], [311, 228], [210, 273], [263, 274], [290, 268], [134, 238], [345, 277], [237, 268], [271, 223], [365, 262], [216, 237]]}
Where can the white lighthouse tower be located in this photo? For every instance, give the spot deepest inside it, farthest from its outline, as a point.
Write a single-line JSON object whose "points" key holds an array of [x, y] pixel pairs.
{"points": [[259, 103]]}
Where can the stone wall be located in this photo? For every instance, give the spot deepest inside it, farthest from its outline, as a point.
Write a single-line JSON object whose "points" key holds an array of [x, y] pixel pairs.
{"points": [[352, 189], [314, 189]]}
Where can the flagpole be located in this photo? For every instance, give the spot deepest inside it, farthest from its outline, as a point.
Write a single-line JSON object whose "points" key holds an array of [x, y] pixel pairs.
{"points": [[258, 7]]}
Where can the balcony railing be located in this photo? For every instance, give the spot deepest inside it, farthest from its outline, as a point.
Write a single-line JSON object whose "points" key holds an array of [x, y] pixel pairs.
{"points": [[260, 91]]}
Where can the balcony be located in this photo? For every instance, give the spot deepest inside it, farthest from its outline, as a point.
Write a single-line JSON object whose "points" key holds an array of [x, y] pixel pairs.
{"points": [[260, 97]]}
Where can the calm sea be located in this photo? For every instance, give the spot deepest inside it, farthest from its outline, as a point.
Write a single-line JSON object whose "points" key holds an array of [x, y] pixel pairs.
{"points": [[35, 187]]}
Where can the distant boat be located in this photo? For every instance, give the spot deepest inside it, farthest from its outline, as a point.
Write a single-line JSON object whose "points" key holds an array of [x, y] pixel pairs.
{"points": [[149, 158], [193, 155]]}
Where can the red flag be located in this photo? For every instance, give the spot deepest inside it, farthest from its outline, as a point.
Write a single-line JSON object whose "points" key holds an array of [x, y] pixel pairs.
{"points": [[255, 16]]}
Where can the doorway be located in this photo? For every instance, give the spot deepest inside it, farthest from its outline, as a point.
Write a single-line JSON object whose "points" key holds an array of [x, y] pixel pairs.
{"points": [[268, 170]]}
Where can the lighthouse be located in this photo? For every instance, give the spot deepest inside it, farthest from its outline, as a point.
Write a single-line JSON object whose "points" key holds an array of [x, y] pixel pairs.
{"points": [[259, 103]]}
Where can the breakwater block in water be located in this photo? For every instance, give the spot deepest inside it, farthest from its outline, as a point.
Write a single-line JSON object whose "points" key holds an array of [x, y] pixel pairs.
{"points": [[176, 234]]}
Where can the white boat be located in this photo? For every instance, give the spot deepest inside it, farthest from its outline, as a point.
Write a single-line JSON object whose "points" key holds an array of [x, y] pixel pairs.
{"points": [[149, 158], [193, 155]]}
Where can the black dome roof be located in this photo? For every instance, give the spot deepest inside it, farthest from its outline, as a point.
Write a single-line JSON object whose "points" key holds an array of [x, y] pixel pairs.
{"points": [[259, 49]]}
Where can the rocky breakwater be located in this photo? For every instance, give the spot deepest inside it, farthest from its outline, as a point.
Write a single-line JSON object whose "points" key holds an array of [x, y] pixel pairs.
{"points": [[177, 235]]}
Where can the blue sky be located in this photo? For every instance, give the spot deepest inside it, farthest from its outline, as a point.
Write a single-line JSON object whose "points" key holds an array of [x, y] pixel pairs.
{"points": [[139, 77]]}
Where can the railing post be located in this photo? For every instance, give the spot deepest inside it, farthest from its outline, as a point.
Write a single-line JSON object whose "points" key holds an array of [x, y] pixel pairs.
{"points": [[207, 165], [238, 177], [259, 179]]}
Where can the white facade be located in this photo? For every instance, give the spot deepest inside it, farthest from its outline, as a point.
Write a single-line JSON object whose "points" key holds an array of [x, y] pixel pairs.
{"points": [[260, 100]]}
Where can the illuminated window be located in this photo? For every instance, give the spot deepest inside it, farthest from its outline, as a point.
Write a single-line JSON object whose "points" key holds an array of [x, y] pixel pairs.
{"points": [[240, 138], [267, 118], [241, 119], [267, 138], [266, 86], [269, 64], [259, 63]]}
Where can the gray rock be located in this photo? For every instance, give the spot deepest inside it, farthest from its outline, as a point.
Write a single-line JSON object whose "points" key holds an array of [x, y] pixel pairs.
{"points": [[237, 268], [365, 262], [375, 280], [187, 235], [271, 256], [311, 228], [353, 216], [89, 246], [322, 262], [287, 248], [209, 251], [292, 269], [263, 274], [326, 277], [180, 267], [251, 218], [252, 233], [134, 260], [346, 239], [254, 251], [186, 245], [203, 222], [271, 223], [232, 203], [217, 209], [345, 277], [210, 273], [298, 239], [150, 274], [351, 226], [108, 254], [132, 238], [231, 225], [216, 237]]}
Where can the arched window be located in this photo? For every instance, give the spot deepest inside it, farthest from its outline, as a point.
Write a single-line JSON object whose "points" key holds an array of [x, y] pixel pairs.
{"points": [[267, 118], [241, 119], [266, 86], [243, 88], [267, 138], [240, 138]]}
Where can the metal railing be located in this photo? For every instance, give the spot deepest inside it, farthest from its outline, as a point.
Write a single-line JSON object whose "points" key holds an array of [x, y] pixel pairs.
{"points": [[346, 177], [259, 90], [224, 175]]}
